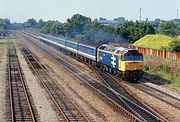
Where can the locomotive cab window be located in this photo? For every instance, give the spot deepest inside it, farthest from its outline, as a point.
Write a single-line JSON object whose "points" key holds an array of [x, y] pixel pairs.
{"points": [[132, 57]]}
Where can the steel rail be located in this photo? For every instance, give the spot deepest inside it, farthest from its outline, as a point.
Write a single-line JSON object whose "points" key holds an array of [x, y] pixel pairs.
{"points": [[10, 90]]}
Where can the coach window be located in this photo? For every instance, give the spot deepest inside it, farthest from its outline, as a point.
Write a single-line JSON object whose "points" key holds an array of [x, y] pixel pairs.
{"points": [[113, 50], [102, 47]]}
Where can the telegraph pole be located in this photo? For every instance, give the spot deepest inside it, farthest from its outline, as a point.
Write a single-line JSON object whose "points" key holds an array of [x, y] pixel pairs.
{"points": [[177, 13], [140, 17]]}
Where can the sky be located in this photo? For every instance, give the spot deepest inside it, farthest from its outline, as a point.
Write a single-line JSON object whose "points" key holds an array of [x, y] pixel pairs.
{"points": [[21, 10]]}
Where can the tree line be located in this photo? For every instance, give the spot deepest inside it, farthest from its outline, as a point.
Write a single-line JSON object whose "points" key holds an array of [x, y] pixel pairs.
{"points": [[82, 27], [4, 25]]}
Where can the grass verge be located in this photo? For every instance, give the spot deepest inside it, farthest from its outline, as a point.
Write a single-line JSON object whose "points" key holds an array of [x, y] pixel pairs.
{"points": [[162, 71]]}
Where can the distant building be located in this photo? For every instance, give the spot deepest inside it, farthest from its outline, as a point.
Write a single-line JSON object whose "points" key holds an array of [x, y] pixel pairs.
{"points": [[108, 22], [2, 34]]}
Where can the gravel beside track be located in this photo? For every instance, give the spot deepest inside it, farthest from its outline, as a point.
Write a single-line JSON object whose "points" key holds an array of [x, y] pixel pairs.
{"points": [[159, 94], [43, 105], [164, 109], [165, 89], [3, 65]]}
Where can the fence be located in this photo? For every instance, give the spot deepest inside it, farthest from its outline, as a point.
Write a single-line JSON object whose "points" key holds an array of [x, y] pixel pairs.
{"points": [[149, 51]]}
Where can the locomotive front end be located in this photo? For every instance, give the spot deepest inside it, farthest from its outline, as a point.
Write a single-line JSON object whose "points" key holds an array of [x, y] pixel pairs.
{"points": [[132, 65]]}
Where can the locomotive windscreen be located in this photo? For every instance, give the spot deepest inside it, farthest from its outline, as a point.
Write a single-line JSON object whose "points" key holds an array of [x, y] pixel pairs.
{"points": [[132, 56]]}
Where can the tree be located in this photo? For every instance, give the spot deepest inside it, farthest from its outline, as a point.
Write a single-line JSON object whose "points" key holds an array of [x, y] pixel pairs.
{"points": [[134, 30], [76, 25], [4, 25], [53, 27], [79, 26], [174, 46], [30, 23], [156, 23], [17, 26], [168, 28], [41, 24]]}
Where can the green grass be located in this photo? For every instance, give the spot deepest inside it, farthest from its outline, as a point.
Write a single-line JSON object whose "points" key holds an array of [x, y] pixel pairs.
{"points": [[163, 71], [176, 82], [7, 41], [4, 42], [16, 41], [156, 41]]}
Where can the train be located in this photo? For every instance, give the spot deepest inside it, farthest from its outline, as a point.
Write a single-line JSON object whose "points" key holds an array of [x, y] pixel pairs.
{"points": [[122, 62]]}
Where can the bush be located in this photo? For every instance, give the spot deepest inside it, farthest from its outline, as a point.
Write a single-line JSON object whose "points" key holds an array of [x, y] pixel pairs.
{"points": [[163, 68], [148, 67], [174, 46], [156, 41]]}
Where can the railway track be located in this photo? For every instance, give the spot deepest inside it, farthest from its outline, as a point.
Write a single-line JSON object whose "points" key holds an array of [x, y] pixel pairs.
{"points": [[114, 83], [20, 104], [67, 109], [121, 101], [163, 96]]}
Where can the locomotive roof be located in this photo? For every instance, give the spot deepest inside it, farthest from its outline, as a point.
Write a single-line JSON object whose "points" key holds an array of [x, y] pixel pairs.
{"points": [[114, 49]]}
